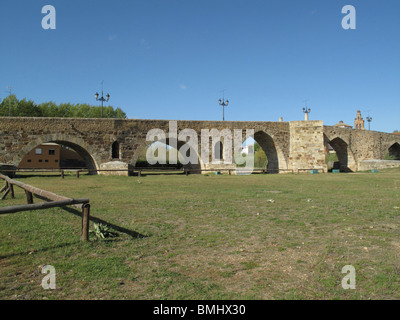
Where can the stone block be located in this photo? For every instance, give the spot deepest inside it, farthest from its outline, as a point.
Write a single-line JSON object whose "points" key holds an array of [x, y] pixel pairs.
{"points": [[114, 167]]}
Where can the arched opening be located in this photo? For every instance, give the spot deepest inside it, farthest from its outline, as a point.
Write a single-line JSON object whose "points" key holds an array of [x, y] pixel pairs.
{"points": [[331, 159], [167, 156], [338, 155], [115, 150], [57, 155], [266, 154], [259, 157], [394, 151], [219, 151]]}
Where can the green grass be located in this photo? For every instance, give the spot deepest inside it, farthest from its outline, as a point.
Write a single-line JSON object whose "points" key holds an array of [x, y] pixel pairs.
{"points": [[330, 158], [209, 237]]}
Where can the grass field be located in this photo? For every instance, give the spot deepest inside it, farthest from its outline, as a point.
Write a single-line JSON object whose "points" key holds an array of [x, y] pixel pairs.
{"points": [[209, 237]]}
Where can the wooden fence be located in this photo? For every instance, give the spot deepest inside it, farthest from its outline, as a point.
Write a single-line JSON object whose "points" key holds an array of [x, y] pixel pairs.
{"points": [[54, 200], [139, 171]]}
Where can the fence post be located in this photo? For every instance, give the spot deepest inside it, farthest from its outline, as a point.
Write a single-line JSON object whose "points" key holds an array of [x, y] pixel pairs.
{"points": [[12, 190], [29, 197], [62, 174], [4, 188], [7, 190], [77, 174], [85, 221]]}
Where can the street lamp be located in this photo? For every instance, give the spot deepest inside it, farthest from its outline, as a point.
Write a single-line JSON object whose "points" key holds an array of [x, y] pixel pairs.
{"points": [[306, 111], [369, 119], [102, 99], [223, 103]]}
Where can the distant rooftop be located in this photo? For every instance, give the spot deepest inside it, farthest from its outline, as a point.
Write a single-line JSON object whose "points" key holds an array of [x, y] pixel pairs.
{"points": [[342, 125]]}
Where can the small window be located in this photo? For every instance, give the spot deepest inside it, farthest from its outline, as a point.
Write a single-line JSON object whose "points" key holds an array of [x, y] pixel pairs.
{"points": [[29, 160], [46, 160], [219, 151], [56, 161], [115, 150], [38, 151], [40, 160], [52, 152]]}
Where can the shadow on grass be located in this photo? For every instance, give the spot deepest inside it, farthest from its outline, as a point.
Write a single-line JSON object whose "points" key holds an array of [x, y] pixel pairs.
{"points": [[63, 245], [76, 212], [131, 233], [147, 174]]}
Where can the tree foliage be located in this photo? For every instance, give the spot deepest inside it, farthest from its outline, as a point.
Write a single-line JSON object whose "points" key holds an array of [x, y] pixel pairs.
{"points": [[260, 158], [12, 107]]}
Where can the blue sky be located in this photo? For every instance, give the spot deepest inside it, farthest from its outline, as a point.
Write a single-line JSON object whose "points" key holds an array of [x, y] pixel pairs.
{"points": [[170, 59]]}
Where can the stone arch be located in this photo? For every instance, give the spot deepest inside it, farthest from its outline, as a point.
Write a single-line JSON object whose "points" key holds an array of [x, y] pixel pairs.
{"points": [[275, 156], [345, 156], [394, 151], [76, 144], [144, 144]]}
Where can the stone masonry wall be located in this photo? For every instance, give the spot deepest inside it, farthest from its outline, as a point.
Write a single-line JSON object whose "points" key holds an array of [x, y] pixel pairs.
{"points": [[93, 138], [296, 145], [365, 165], [363, 144], [307, 145]]}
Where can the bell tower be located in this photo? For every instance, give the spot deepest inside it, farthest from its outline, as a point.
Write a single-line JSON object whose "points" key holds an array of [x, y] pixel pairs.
{"points": [[359, 121]]}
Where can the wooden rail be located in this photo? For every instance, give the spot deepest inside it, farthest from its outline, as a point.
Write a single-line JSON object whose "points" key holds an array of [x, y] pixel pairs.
{"points": [[54, 201], [140, 170]]}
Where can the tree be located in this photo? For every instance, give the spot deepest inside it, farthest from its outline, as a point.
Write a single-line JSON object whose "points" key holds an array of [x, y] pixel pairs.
{"points": [[120, 114], [13, 107], [26, 108], [260, 159], [8, 105], [48, 109]]}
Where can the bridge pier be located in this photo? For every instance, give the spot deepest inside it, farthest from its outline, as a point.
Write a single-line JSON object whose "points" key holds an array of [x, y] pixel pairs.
{"points": [[307, 145]]}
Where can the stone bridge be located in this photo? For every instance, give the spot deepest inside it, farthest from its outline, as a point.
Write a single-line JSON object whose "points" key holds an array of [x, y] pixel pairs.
{"points": [[104, 142], [355, 147]]}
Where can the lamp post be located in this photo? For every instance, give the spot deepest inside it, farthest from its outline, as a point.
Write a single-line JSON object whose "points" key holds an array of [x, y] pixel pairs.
{"points": [[102, 99], [223, 103], [306, 111], [369, 119]]}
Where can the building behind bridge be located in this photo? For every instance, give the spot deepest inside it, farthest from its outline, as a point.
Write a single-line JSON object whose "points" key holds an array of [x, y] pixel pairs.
{"points": [[52, 156]]}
